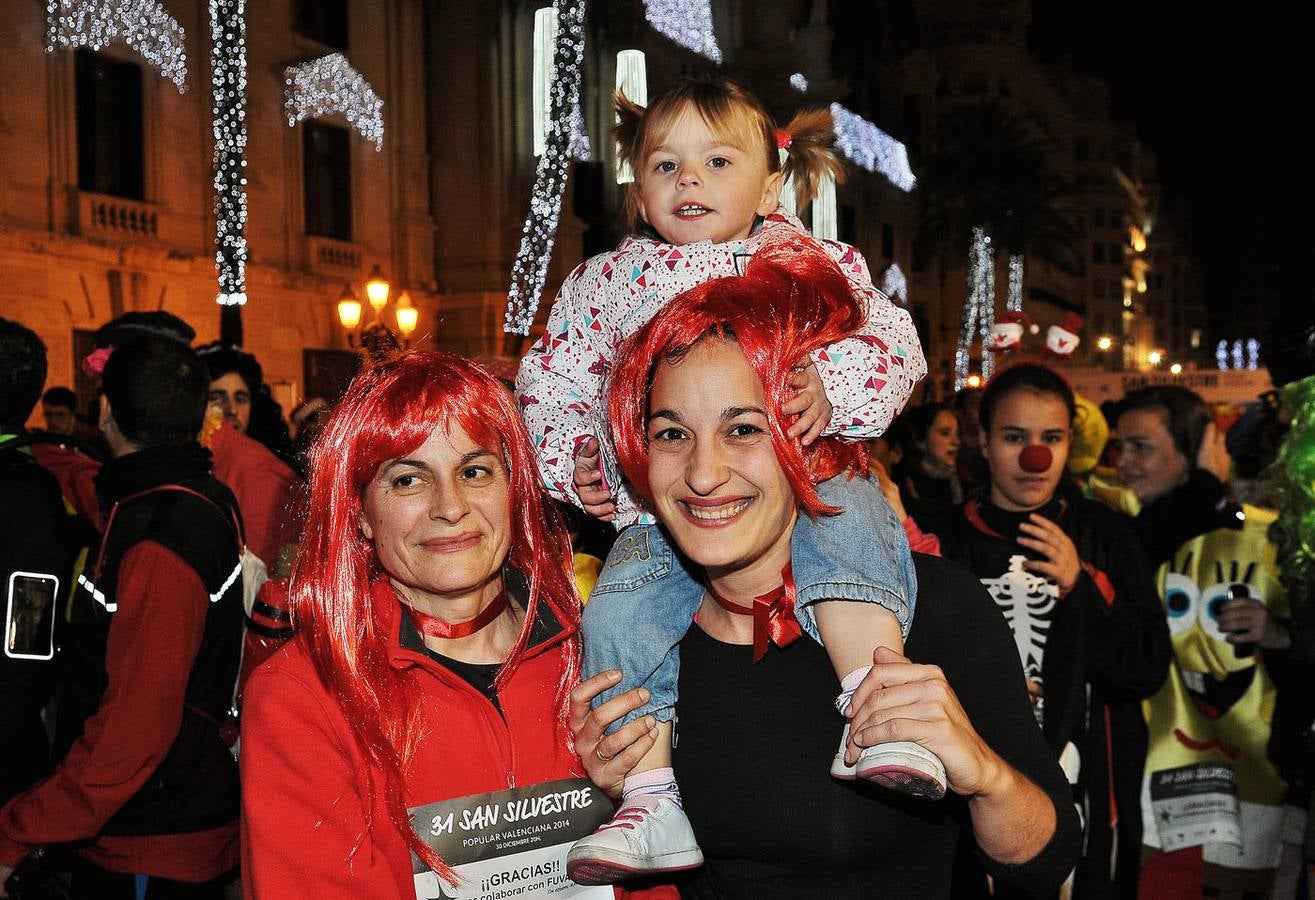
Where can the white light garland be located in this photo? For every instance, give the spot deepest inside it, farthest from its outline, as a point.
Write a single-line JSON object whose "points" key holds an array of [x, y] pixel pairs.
{"points": [[985, 285], [1237, 354], [632, 81], [980, 297], [1253, 353], [868, 146], [799, 81], [1221, 355], [1014, 302], [228, 85], [141, 24], [329, 85], [894, 284], [530, 270], [545, 39], [687, 22]]}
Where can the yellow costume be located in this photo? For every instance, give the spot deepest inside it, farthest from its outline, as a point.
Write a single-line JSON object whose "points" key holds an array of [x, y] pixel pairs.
{"points": [[1216, 706]]}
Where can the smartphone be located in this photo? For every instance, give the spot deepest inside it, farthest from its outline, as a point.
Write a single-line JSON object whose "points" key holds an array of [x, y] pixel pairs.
{"points": [[30, 615]]}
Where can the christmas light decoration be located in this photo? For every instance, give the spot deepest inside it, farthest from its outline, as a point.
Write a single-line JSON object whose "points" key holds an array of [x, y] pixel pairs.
{"points": [[329, 85], [868, 146], [826, 226], [545, 38], [1253, 353], [980, 298], [632, 81], [1237, 354], [1221, 355], [985, 286], [799, 82], [530, 269], [687, 22], [894, 285], [141, 24], [228, 87], [1014, 302]]}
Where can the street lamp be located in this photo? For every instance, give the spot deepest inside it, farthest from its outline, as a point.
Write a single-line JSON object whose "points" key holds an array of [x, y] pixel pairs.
{"points": [[1176, 369], [1154, 357], [974, 380], [407, 316], [349, 313], [1104, 342], [376, 290]]}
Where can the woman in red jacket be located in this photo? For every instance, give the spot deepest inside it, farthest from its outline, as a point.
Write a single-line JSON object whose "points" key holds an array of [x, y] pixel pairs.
{"points": [[414, 736]]}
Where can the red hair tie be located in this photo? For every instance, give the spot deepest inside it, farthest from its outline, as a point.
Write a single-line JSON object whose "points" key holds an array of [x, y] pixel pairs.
{"points": [[783, 139]]}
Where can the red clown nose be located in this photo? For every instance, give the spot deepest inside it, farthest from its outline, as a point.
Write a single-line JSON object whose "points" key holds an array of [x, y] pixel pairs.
{"points": [[1035, 458]]}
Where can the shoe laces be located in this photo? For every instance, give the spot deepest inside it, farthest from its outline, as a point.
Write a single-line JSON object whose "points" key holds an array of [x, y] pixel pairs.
{"points": [[627, 817]]}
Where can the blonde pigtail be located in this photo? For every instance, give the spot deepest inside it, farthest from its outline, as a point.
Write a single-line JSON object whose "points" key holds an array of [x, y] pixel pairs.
{"points": [[627, 133], [811, 154]]}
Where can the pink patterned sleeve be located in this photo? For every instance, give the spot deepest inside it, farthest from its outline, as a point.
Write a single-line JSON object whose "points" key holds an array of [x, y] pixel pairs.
{"points": [[869, 377], [559, 382]]}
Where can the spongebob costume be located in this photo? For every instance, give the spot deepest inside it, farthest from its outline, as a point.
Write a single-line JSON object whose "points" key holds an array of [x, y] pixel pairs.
{"points": [[1215, 710]]}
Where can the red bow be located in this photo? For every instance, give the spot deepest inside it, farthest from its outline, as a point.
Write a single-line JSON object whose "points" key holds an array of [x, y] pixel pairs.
{"points": [[783, 139], [773, 615]]}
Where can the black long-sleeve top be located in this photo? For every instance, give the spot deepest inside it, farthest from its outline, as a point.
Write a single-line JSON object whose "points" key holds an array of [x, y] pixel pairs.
{"points": [[754, 742]]}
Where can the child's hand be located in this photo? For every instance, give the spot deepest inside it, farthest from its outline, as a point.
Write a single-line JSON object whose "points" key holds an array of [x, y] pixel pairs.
{"points": [[809, 403], [589, 487]]}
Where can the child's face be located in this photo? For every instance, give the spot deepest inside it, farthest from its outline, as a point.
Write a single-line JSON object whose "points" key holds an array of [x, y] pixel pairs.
{"points": [[694, 188]]}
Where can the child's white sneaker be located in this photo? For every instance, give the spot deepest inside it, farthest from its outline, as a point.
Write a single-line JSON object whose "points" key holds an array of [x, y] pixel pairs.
{"points": [[647, 835], [902, 766]]}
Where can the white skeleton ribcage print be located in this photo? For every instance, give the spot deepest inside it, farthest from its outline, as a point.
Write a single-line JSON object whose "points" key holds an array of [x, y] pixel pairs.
{"points": [[1028, 602]]}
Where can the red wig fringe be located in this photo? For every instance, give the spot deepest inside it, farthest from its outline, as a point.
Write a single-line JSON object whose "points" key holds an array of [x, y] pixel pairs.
{"points": [[791, 300], [388, 411]]}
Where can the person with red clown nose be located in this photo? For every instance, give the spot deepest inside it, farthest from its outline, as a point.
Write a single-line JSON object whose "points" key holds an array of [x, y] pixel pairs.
{"points": [[1072, 582]]}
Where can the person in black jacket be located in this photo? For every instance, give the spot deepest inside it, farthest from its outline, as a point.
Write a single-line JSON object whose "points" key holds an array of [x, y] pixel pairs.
{"points": [[1078, 595], [149, 792], [36, 559]]}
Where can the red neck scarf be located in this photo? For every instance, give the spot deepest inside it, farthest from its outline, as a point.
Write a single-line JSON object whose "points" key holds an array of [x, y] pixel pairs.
{"points": [[434, 627], [773, 615]]}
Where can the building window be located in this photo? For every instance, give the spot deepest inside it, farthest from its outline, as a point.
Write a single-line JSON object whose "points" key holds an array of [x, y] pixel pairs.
{"points": [[1097, 253], [324, 21], [327, 167], [888, 240], [1115, 254], [109, 113], [1100, 288]]}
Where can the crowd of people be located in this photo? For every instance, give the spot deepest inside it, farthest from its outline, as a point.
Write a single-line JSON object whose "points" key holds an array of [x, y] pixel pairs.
{"points": [[701, 606]]}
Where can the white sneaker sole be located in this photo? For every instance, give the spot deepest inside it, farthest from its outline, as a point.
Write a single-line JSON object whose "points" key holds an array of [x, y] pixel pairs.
{"points": [[590, 866], [905, 767]]}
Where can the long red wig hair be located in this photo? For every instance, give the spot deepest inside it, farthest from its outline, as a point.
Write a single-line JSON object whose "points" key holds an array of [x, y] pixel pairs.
{"points": [[390, 410], [791, 300]]}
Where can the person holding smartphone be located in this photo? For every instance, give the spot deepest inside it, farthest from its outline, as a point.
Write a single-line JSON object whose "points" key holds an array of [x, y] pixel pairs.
{"points": [[36, 557]]}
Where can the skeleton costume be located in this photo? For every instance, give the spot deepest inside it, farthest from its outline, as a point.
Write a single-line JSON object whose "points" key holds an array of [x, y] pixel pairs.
{"points": [[1092, 653]]}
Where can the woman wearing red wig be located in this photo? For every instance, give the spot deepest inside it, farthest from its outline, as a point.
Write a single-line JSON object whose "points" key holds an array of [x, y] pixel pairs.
{"points": [[414, 735], [696, 411]]}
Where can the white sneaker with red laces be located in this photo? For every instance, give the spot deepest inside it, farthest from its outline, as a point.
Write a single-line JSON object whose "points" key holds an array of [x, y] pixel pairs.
{"points": [[647, 836], [902, 766]]}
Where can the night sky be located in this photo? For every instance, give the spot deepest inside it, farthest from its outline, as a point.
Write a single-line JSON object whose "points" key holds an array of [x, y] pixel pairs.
{"points": [[1211, 94]]}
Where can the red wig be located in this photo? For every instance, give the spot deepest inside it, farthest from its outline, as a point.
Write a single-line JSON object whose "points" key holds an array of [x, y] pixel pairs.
{"points": [[791, 300], [390, 410]]}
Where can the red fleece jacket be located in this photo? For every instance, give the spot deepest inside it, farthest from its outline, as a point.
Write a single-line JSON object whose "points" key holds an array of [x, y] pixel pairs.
{"points": [[152, 644], [312, 828]]}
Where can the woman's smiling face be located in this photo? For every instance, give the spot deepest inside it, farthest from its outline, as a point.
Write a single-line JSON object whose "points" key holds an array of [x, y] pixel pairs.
{"points": [[716, 482]]}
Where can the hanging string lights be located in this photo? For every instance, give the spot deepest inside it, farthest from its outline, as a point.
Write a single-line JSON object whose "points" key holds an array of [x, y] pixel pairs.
{"points": [[980, 298], [228, 86], [530, 269], [895, 285], [687, 22], [329, 85], [1014, 302], [143, 25], [868, 146]]}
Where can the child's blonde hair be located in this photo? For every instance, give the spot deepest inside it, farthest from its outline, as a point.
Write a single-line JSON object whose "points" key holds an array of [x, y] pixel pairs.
{"points": [[735, 117]]}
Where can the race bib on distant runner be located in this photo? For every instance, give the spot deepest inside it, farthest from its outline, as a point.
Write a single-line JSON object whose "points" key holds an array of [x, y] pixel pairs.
{"points": [[1195, 805], [510, 843]]}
